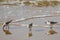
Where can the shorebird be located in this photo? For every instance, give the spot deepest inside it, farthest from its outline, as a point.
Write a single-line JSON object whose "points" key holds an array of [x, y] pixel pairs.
{"points": [[51, 31], [6, 24], [51, 23], [30, 30], [30, 26]]}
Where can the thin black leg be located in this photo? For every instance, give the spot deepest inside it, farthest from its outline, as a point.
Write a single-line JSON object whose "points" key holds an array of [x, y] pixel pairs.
{"points": [[30, 29], [51, 27], [8, 27]]}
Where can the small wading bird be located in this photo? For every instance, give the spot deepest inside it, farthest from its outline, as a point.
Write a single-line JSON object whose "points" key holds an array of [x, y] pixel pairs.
{"points": [[30, 26], [30, 30], [6, 24], [51, 23]]}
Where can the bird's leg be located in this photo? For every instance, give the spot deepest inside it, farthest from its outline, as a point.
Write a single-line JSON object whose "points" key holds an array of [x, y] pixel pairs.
{"points": [[8, 27], [51, 27], [29, 29]]}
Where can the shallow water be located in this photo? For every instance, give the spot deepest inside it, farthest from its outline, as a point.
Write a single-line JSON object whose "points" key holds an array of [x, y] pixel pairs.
{"points": [[21, 32]]}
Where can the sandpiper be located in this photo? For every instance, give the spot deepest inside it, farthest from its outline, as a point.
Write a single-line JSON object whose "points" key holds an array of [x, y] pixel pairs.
{"points": [[51, 31], [51, 22], [6, 24], [30, 26]]}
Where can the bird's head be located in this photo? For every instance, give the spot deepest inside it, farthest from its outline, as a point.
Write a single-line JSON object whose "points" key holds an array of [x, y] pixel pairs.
{"points": [[48, 22]]}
